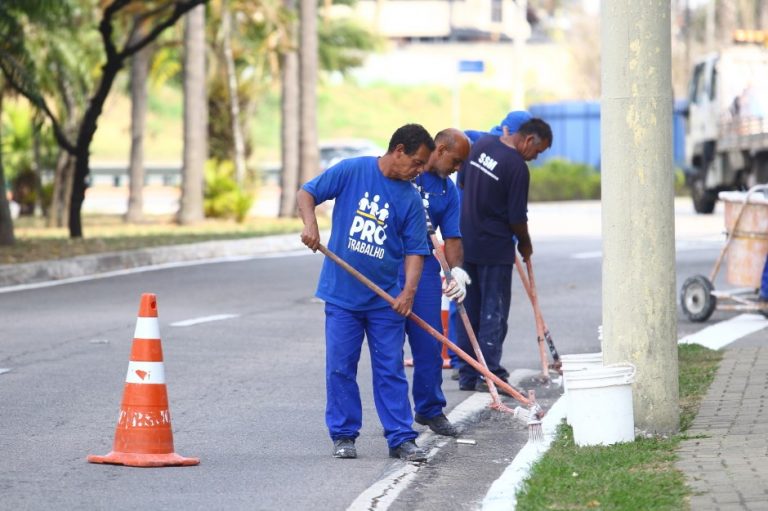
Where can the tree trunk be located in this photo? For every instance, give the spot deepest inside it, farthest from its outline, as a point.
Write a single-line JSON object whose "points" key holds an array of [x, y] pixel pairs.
{"points": [[6, 222], [82, 147], [139, 72], [62, 184], [234, 100], [308, 63], [195, 118], [289, 135]]}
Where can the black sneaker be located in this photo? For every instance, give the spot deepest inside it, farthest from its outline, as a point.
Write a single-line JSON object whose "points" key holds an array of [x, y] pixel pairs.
{"points": [[439, 424], [455, 374], [344, 448], [408, 451]]}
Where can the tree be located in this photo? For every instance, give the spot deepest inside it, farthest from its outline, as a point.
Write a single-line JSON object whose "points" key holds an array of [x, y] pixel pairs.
{"points": [[289, 130], [309, 160], [139, 73], [7, 236], [163, 15], [195, 119]]}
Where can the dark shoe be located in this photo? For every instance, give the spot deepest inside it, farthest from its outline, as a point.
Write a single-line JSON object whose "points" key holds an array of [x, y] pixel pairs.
{"points": [[408, 451], [344, 448], [482, 386], [455, 373], [468, 386], [439, 424]]}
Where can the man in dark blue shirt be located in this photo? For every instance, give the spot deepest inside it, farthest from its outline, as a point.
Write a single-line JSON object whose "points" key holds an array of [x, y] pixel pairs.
{"points": [[494, 215]]}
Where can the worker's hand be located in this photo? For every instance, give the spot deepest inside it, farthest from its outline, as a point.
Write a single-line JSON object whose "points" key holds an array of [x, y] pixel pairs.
{"points": [[403, 303], [526, 251], [457, 289], [310, 236]]}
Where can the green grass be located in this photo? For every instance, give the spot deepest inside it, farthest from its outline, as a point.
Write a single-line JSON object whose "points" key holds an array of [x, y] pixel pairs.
{"points": [[622, 477], [108, 233], [345, 110]]}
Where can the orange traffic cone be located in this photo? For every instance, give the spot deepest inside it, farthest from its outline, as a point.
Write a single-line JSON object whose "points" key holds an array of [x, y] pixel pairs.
{"points": [[143, 436], [444, 315]]}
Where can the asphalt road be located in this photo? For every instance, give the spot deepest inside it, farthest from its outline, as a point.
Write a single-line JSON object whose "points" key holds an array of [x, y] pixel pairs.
{"points": [[247, 393]]}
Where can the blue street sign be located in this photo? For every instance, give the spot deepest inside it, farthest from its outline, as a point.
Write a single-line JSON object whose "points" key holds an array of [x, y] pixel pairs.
{"points": [[471, 66]]}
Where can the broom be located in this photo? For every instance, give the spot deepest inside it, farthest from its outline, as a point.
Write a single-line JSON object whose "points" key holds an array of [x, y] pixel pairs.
{"points": [[496, 403], [542, 332], [532, 416]]}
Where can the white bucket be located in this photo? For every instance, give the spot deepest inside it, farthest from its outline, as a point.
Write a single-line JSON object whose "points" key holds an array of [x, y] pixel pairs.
{"points": [[577, 362], [601, 408]]}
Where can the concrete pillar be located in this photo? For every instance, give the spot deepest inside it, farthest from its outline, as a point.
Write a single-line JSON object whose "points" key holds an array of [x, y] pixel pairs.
{"points": [[639, 296]]}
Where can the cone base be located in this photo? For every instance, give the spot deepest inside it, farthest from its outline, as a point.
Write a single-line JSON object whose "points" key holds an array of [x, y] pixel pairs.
{"points": [[144, 460]]}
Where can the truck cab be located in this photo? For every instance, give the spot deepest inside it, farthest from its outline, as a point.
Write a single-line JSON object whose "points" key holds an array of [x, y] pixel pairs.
{"points": [[727, 130]]}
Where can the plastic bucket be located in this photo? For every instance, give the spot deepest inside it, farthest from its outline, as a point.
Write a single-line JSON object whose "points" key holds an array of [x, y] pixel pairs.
{"points": [[749, 239], [600, 407], [573, 363]]}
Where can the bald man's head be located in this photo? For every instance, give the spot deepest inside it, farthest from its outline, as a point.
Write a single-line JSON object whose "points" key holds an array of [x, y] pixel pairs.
{"points": [[451, 149]]}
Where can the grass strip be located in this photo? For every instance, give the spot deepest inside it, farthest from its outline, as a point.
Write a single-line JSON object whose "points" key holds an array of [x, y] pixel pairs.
{"points": [[622, 477], [109, 233]]}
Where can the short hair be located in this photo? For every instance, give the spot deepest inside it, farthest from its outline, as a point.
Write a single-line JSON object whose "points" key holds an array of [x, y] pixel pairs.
{"points": [[538, 127], [412, 136]]}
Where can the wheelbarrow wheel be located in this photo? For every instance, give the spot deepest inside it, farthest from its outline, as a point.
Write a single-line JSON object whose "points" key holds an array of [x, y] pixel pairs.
{"points": [[696, 298]]}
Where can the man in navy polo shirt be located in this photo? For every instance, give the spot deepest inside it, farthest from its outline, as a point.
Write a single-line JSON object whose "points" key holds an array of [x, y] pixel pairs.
{"points": [[494, 208], [378, 226]]}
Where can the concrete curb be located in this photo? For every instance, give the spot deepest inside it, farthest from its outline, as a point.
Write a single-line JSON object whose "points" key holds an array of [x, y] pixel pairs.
{"points": [[44, 271]]}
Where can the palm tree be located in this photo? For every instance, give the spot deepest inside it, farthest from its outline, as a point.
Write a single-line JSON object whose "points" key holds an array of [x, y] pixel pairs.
{"points": [[289, 134], [195, 119], [139, 73], [309, 161]]}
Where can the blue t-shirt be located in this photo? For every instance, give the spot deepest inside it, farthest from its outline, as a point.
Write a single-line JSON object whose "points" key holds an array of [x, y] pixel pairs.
{"points": [[441, 198], [377, 221], [496, 180]]}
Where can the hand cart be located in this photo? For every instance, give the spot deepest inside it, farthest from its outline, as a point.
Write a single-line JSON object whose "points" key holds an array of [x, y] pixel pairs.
{"points": [[746, 221]]}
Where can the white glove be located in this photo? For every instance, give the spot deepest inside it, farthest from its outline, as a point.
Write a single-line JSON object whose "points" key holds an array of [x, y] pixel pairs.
{"points": [[457, 289]]}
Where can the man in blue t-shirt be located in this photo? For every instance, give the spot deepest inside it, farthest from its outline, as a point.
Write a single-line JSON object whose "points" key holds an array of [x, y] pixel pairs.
{"points": [[441, 200], [494, 208], [378, 226]]}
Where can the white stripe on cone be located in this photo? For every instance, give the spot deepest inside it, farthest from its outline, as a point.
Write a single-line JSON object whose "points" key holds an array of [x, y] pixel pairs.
{"points": [[145, 372], [146, 328]]}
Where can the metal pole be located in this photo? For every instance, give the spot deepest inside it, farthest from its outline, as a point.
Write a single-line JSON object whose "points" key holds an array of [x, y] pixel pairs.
{"points": [[639, 307]]}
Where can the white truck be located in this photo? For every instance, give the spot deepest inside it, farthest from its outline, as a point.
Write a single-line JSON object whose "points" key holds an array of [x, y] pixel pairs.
{"points": [[726, 145]]}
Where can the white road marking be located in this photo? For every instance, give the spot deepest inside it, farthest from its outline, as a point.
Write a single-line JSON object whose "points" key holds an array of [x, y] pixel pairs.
{"points": [[381, 494], [4, 370], [502, 493], [204, 319], [721, 334]]}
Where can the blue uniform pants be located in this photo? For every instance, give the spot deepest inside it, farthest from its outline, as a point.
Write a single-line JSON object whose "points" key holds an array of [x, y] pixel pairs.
{"points": [[428, 398], [764, 283], [385, 331], [487, 304]]}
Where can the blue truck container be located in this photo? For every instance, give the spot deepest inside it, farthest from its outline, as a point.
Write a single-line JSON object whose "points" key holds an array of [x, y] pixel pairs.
{"points": [[576, 131]]}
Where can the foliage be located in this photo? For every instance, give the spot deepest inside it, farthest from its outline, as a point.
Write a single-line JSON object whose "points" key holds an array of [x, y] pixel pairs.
{"points": [[223, 198], [622, 477], [343, 44], [18, 140], [559, 179]]}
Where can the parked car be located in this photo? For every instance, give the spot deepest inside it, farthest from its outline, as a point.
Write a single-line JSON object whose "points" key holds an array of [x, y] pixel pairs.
{"points": [[333, 151]]}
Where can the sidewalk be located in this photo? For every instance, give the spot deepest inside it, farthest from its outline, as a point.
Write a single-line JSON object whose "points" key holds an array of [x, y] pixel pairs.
{"points": [[52, 270], [726, 459]]}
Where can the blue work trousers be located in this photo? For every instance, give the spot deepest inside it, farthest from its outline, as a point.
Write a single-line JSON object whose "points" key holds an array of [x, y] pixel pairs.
{"points": [[487, 304], [428, 398], [344, 332], [764, 283]]}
